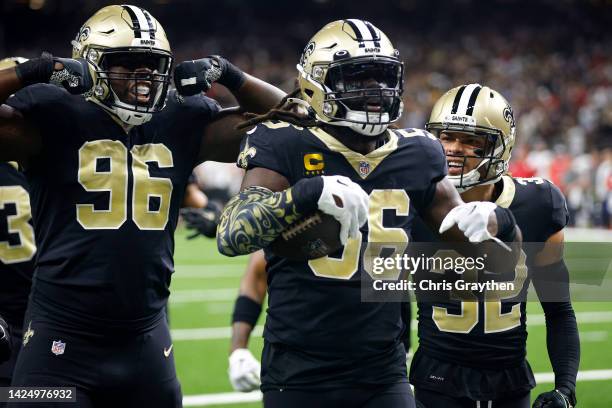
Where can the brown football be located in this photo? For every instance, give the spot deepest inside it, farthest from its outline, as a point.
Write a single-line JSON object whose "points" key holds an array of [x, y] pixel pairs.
{"points": [[312, 236]]}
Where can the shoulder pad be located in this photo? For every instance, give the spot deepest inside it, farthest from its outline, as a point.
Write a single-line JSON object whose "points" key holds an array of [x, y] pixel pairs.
{"points": [[411, 132], [268, 145], [549, 201]]}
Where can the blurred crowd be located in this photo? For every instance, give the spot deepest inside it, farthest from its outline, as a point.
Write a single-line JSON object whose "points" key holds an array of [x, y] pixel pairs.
{"points": [[552, 60], [559, 85]]}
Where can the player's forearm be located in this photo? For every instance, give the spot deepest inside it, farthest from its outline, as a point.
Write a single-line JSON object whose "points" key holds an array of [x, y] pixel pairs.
{"points": [[35, 70], [563, 343], [551, 283], [241, 332], [257, 96], [256, 216], [9, 83], [244, 318]]}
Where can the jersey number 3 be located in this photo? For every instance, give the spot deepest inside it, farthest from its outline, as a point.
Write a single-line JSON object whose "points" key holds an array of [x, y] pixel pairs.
{"points": [[17, 224], [103, 166]]}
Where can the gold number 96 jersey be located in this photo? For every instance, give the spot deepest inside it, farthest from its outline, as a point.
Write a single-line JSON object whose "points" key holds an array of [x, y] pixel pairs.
{"points": [[105, 204]]}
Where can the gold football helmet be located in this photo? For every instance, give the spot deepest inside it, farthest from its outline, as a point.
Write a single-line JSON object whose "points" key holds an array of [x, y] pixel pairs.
{"points": [[128, 37], [350, 75], [483, 112], [11, 62]]}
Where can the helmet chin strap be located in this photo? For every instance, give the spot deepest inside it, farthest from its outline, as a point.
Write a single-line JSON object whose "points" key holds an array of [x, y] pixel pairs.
{"points": [[357, 121], [471, 179], [130, 117]]}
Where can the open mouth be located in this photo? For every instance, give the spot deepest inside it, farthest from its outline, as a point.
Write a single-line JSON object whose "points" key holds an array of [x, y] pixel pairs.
{"points": [[455, 166], [141, 93], [373, 107]]}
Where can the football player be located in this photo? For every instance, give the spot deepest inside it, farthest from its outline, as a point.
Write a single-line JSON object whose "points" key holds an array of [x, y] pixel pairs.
{"points": [[107, 154], [199, 214], [244, 369], [472, 353], [323, 346], [17, 250]]}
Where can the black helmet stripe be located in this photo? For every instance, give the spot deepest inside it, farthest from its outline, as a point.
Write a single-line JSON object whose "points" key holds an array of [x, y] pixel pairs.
{"points": [[472, 101], [375, 35], [150, 22], [358, 34], [142, 28], [457, 99], [465, 98], [364, 31]]}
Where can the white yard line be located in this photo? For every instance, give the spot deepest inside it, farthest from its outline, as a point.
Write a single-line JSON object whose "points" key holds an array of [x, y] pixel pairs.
{"points": [[218, 333], [228, 398]]}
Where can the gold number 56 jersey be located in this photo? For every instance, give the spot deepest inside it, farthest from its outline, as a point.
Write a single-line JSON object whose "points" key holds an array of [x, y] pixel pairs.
{"points": [[316, 306]]}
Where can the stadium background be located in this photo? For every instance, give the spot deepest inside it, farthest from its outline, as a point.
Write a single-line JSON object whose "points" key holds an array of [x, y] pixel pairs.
{"points": [[551, 59]]}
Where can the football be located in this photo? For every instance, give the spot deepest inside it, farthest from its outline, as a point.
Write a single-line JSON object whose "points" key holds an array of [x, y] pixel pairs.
{"points": [[312, 236]]}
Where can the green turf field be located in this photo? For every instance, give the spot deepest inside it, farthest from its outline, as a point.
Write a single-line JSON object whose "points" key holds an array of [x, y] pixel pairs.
{"points": [[205, 286]]}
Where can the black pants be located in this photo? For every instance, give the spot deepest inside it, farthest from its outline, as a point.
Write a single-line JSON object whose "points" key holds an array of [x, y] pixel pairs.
{"points": [[432, 399], [384, 396], [120, 370], [6, 368]]}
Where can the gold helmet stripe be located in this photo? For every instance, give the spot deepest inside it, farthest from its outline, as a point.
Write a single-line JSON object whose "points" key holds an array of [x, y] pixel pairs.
{"points": [[466, 97], [142, 28]]}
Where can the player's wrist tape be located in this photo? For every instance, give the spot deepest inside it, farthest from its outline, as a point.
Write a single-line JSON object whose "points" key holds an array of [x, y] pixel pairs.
{"points": [[246, 310], [232, 77], [306, 194], [506, 224], [35, 70]]}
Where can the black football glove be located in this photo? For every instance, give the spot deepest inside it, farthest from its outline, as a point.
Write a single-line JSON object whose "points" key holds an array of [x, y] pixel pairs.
{"points": [[203, 221], [192, 77], [75, 75], [5, 341], [555, 399]]}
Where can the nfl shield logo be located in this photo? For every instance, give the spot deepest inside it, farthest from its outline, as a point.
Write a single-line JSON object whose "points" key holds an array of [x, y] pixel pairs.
{"points": [[364, 168], [58, 347]]}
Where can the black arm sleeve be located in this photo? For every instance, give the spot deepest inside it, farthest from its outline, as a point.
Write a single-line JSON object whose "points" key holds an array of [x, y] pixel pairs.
{"points": [[552, 283]]}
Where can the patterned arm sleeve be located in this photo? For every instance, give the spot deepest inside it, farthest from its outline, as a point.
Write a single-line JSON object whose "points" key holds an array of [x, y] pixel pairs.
{"points": [[256, 216]]}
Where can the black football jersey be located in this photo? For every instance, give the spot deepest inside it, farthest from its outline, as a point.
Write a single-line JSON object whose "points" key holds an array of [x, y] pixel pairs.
{"points": [[105, 206], [17, 247], [316, 306], [490, 335]]}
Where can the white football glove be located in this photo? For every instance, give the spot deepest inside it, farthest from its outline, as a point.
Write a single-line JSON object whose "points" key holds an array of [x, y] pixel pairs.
{"points": [[472, 219], [346, 202], [244, 370]]}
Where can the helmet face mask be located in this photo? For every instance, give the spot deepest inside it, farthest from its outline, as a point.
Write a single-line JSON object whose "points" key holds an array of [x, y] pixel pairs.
{"points": [[352, 81], [485, 120], [130, 60], [370, 87], [134, 79]]}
